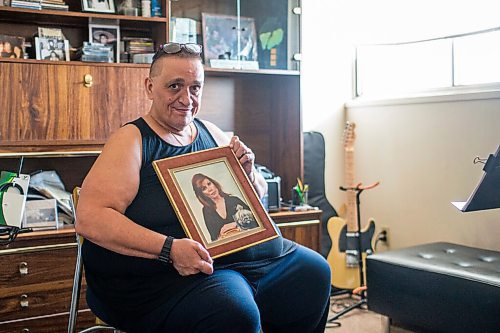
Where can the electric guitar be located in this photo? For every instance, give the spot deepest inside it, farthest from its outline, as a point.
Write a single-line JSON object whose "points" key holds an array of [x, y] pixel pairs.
{"points": [[344, 253]]}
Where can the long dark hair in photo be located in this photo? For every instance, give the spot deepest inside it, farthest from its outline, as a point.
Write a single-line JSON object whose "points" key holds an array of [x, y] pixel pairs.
{"points": [[196, 182]]}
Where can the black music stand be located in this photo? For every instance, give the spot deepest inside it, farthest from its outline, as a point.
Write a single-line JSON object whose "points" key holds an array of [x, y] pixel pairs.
{"points": [[486, 195]]}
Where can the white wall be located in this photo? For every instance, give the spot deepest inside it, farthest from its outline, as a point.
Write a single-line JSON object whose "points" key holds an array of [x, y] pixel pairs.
{"points": [[421, 152], [326, 83]]}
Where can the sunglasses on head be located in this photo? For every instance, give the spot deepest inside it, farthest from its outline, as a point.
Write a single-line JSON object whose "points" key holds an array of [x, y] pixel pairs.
{"points": [[173, 48]]}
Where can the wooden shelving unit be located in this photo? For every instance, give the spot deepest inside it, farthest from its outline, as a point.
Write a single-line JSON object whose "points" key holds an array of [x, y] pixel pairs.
{"points": [[57, 123]]}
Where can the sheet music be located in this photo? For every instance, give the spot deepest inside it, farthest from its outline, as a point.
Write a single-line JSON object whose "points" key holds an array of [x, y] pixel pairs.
{"points": [[459, 204], [486, 195]]}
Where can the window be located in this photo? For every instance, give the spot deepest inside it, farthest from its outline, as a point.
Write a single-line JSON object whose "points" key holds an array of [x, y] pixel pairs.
{"points": [[389, 69], [477, 58]]}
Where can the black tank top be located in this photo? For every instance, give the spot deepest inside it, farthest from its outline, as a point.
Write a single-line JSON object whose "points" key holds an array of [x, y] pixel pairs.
{"points": [[121, 281]]}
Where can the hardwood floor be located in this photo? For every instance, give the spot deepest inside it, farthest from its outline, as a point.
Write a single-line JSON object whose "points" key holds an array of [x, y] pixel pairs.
{"points": [[358, 320]]}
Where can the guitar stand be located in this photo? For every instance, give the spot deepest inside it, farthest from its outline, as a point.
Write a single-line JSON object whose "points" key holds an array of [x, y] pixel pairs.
{"points": [[358, 189]]}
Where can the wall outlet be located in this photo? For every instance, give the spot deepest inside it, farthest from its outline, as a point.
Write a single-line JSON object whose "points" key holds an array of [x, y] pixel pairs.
{"points": [[384, 235]]}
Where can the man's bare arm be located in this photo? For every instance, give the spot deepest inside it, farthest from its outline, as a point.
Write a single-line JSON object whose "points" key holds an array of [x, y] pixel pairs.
{"points": [[107, 191]]}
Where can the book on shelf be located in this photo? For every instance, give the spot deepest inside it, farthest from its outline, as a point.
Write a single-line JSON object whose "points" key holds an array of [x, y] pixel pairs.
{"points": [[54, 5], [26, 4], [37, 4], [184, 30], [142, 58], [95, 52], [134, 46]]}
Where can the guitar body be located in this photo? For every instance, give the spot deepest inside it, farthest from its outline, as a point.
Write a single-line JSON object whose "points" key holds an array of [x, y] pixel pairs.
{"points": [[344, 275]]}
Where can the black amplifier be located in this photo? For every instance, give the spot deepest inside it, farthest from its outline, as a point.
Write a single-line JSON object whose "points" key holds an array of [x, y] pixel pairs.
{"points": [[272, 200]]}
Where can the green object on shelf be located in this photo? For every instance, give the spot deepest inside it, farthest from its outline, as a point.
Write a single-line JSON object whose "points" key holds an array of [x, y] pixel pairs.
{"points": [[271, 39]]}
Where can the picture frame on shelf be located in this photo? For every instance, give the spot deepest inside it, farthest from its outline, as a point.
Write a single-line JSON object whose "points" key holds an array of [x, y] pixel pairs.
{"points": [[98, 6], [49, 32], [193, 181], [40, 214], [108, 35], [220, 41], [11, 46], [53, 49], [128, 7]]}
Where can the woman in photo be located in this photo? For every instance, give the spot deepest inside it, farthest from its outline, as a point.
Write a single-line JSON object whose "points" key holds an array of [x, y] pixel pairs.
{"points": [[52, 56], [224, 214], [104, 37], [6, 49]]}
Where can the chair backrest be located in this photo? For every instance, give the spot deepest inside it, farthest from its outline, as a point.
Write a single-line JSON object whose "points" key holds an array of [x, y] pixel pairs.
{"points": [[77, 280]]}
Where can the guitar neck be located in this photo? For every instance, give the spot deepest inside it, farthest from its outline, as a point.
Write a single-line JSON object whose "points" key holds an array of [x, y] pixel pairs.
{"points": [[352, 213]]}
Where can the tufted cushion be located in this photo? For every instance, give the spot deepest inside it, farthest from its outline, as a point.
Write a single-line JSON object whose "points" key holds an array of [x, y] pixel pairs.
{"points": [[437, 287]]}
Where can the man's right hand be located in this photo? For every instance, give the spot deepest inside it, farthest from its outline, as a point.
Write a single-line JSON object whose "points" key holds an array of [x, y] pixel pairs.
{"points": [[190, 257]]}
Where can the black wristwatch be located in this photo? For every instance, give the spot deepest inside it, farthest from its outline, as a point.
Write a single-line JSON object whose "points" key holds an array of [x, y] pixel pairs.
{"points": [[164, 255]]}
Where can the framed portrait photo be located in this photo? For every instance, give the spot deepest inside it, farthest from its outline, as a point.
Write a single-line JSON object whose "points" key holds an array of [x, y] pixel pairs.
{"points": [[11, 46], [40, 214], [108, 35], [98, 6], [199, 184], [220, 39], [51, 48]]}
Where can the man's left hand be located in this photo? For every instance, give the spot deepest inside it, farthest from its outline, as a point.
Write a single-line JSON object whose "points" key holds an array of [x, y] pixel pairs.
{"points": [[243, 153]]}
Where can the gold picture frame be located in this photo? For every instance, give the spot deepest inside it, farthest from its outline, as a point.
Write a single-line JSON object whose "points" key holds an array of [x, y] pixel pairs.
{"points": [[194, 181]]}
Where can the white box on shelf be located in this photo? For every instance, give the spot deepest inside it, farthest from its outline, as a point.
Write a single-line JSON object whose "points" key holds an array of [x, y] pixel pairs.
{"points": [[234, 64]]}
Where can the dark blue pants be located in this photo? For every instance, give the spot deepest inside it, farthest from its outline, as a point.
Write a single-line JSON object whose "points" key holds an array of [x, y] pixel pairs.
{"points": [[292, 296]]}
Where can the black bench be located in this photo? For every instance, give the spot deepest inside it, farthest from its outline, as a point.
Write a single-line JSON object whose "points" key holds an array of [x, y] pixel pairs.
{"points": [[437, 287]]}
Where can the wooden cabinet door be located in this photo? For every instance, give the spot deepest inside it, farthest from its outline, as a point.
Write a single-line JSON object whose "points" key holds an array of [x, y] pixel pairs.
{"points": [[57, 323], [302, 227], [92, 111], [131, 95], [117, 95], [49, 104], [24, 97]]}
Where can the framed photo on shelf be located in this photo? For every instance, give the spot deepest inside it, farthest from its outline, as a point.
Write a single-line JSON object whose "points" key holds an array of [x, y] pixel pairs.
{"points": [[107, 35], [128, 7], [11, 46], [54, 49], [98, 6], [220, 38], [195, 182], [40, 214], [50, 32]]}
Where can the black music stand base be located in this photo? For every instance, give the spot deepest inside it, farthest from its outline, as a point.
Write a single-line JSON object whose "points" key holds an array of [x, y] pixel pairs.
{"points": [[356, 305]]}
